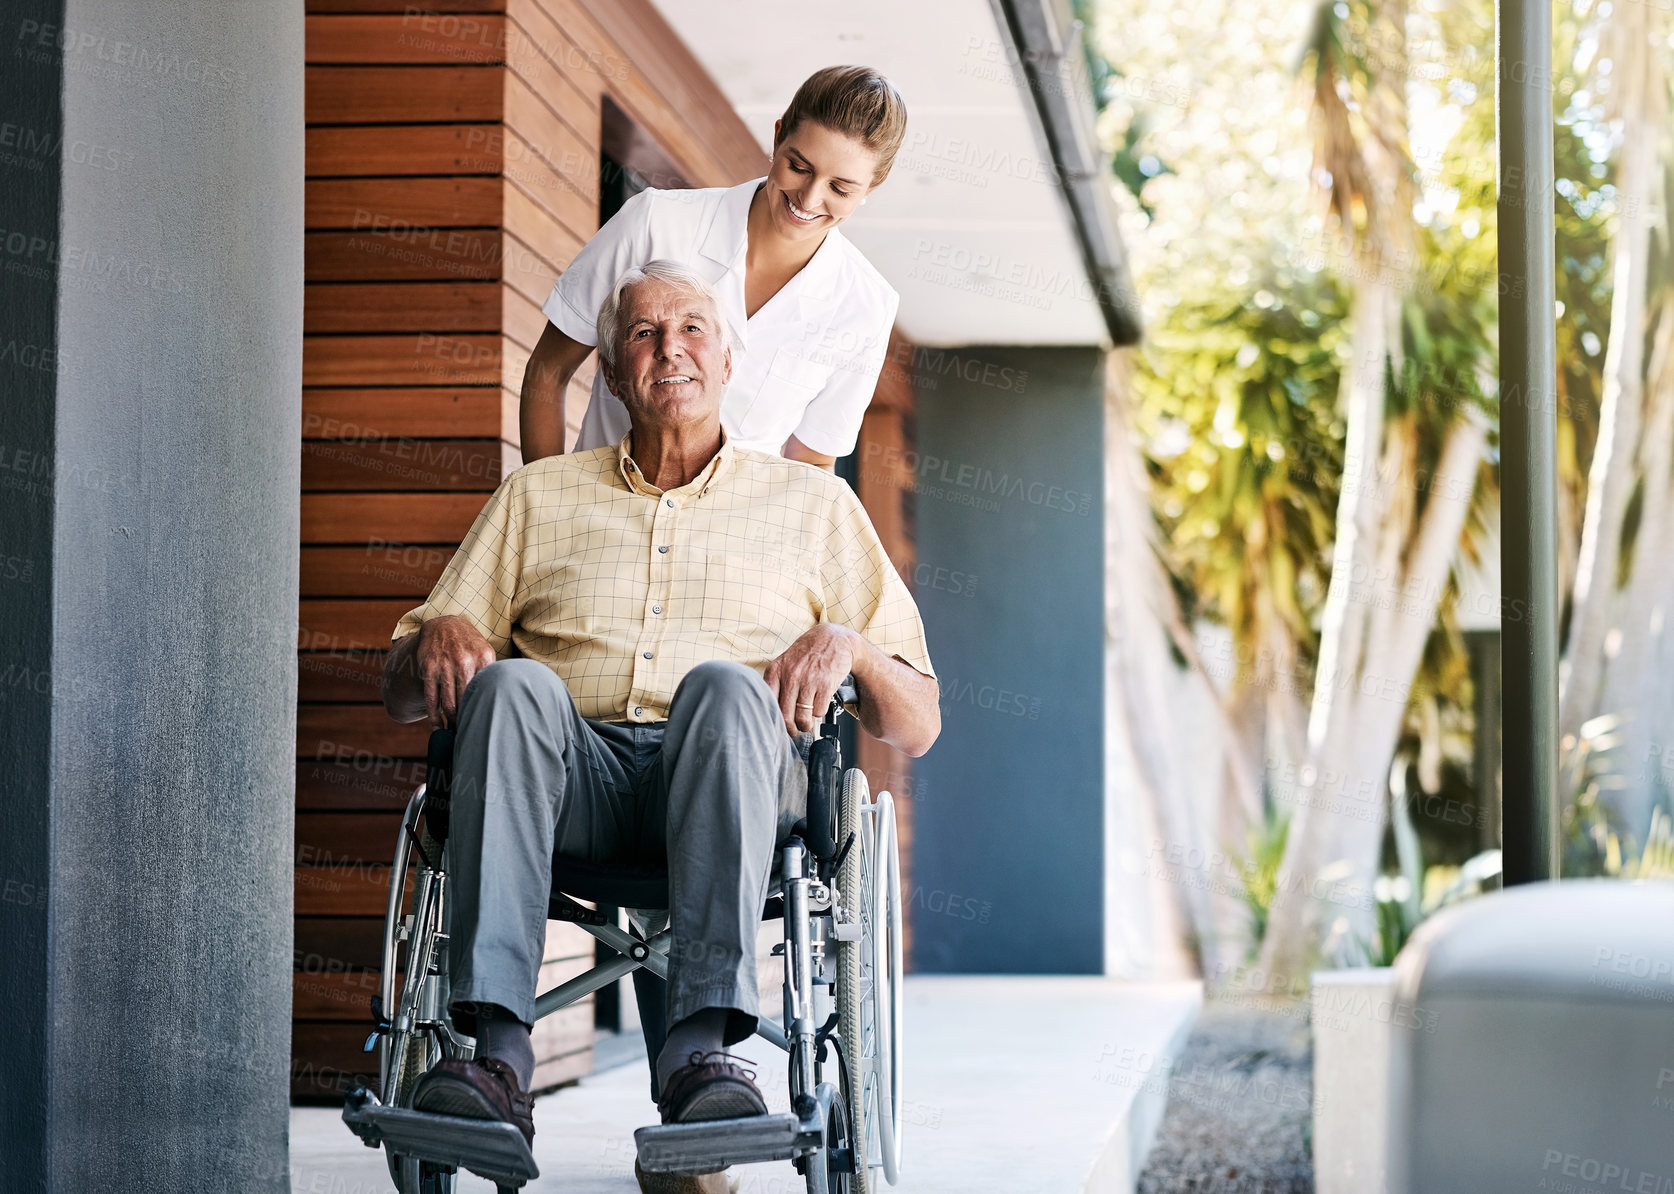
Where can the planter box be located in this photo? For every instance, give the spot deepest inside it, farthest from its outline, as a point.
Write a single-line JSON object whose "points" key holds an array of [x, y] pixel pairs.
{"points": [[1352, 1014]]}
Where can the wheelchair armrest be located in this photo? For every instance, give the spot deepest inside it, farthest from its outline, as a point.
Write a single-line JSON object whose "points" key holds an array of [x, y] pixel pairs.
{"points": [[438, 783], [824, 778]]}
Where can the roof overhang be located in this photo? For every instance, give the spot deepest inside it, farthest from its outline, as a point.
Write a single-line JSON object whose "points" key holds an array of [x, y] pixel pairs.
{"points": [[996, 225]]}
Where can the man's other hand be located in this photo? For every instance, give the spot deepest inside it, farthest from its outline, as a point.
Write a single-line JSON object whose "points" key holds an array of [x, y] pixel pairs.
{"points": [[804, 678], [448, 651]]}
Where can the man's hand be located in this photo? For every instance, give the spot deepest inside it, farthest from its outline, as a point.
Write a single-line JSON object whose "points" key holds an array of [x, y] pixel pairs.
{"points": [[805, 676], [426, 673], [896, 703]]}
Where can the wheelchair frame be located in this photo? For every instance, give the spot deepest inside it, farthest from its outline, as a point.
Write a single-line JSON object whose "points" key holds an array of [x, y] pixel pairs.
{"points": [[841, 906]]}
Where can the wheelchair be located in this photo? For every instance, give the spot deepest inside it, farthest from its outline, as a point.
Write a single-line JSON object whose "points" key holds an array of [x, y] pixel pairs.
{"points": [[837, 888]]}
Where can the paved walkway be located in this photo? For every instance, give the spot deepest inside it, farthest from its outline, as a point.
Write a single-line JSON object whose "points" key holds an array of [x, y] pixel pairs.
{"points": [[1038, 1085]]}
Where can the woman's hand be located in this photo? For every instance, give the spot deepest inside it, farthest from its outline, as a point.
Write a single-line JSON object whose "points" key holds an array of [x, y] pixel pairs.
{"points": [[804, 678]]}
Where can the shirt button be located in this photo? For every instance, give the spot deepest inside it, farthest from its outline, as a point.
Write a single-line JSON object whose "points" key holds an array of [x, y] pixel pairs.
{"points": [[669, 501], [648, 655], [664, 550], [639, 710], [656, 609]]}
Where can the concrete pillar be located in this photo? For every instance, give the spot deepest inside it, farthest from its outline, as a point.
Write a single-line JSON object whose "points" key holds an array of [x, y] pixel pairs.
{"points": [[151, 175]]}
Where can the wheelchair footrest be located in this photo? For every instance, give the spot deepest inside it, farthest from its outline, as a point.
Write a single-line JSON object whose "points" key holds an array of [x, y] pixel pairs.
{"points": [[709, 1145], [488, 1148]]}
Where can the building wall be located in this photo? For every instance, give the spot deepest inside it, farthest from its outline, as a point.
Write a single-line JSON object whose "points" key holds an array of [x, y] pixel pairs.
{"points": [[146, 996], [1008, 806], [452, 173], [30, 194]]}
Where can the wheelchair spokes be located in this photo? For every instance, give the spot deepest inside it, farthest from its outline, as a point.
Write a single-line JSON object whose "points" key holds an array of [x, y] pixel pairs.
{"points": [[415, 1033], [868, 994], [884, 980]]}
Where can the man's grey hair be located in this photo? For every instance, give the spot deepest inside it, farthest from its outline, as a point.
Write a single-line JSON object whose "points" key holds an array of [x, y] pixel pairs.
{"points": [[609, 324]]}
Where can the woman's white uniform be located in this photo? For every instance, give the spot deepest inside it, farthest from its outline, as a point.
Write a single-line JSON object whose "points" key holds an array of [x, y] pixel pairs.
{"points": [[812, 353]]}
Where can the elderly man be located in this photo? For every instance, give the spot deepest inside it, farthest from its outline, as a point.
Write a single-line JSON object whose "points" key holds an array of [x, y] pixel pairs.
{"points": [[683, 608]]}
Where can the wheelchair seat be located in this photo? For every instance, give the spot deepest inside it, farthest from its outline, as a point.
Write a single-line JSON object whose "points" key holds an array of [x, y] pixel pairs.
{"points": [[642, 886]]}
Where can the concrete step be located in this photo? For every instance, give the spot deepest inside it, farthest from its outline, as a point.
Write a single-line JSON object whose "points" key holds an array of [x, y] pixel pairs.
{"points": [[1051, 1085]]}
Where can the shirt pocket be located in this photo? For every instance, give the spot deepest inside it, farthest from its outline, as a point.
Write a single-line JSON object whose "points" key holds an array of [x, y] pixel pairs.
{"points": [[757, 600]]}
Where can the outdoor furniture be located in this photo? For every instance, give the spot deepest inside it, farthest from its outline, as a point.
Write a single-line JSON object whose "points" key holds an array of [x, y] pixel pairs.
{"points": [[836, 884], [1532, 1043]]}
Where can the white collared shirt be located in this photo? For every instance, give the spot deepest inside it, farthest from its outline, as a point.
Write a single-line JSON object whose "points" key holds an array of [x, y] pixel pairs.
{"points": [[811, 354]]}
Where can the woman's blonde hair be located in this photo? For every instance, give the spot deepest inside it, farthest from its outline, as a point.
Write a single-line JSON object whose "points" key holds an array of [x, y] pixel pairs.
{"points": [[856, 101]]}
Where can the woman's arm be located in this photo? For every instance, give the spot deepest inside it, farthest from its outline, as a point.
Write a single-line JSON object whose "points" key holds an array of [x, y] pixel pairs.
{"points": [[795, 449], [540, 415]]}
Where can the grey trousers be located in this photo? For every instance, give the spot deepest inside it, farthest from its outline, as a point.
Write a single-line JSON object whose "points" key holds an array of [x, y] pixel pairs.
{"points": [[711, 792]]}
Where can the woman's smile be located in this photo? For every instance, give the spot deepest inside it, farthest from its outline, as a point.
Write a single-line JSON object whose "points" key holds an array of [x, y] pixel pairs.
{"points": [[800, 215]]}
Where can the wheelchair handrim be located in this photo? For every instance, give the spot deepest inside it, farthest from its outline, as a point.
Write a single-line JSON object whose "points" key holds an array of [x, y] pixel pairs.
{"points": [[887, 994], [392, 920]]}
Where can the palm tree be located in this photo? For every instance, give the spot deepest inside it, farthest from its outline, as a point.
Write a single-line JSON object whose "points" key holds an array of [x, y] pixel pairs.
{"points": [[1614, 651], [1409, 475], [1233, 407]]}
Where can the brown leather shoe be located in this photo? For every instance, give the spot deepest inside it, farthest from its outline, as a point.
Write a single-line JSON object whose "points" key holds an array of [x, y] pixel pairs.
{"points": [[482, 1088], [710, 1086], [720, 1182]]}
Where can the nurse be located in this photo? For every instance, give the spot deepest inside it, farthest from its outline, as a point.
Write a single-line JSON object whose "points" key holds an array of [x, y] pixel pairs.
{"points": [[810, 313]]}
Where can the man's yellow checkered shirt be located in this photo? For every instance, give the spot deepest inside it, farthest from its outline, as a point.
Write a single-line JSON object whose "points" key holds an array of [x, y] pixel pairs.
{"points": [[621, 588]]}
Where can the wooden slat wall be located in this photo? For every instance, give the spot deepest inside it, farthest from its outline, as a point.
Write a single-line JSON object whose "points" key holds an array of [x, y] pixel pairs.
{"points": [[886, 481], [402, 430], [452, 162]]}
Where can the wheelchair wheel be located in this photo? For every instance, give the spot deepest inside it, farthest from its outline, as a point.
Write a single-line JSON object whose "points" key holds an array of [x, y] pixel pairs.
{"points": [[412, 1052], [823, 1174], [864, 1011], [421, 1177], [884, 947]]}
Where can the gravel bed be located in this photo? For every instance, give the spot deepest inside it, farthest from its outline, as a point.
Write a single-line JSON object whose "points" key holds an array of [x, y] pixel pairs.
{"points": [[1239, 1117]]}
